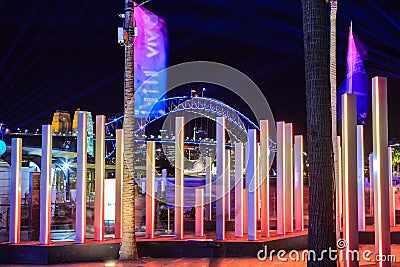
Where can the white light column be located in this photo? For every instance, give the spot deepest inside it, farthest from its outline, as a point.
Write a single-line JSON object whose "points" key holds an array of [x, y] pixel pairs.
{"points": [[360, 177], [258, 182], [227, 184], [289, 177], [392, 205], [239, 190], [80, 228], [245, 211], [179, 182], [100, 170], [45, 185], [381, 183], [199, 208], [371, 183], [349, 147], [220, 183], [392, 208], [150, 188], [208, 194], [281, 174], [390, 167], [339, 182], [298, 183], [119, 174], [15, 191], [264, 170], [163, 193], [251, 179]]}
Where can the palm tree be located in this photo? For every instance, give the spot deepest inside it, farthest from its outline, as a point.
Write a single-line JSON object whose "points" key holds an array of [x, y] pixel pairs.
{"points": [[128, 247], [333, 108], [321, 231]]}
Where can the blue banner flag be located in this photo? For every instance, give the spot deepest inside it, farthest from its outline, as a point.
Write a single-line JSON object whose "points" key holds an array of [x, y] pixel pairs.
{"points": [[151, 52], [357, 81]]}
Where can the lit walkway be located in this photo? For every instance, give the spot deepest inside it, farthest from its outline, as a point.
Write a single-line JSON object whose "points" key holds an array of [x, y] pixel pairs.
{"points": [[200, 262]]}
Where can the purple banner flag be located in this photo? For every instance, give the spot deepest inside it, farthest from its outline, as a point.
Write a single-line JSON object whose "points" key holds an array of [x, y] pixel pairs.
{"points": [[151, 52], [357, 81]]}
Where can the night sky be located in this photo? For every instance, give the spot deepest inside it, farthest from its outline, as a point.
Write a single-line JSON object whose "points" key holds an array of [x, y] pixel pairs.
{"points": [[64, 54]]}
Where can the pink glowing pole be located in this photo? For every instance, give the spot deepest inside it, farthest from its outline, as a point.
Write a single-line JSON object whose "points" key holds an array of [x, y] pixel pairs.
{"points": [[220, 182], [15, 191], [298, 183], [45, 185], [199, 208], [339, 182], [264, 170], [81, 165], [289, 177], [360, 177], [150, 188], [392, 207], [179, 182], [119, 174], [100, 172], [380, 145], [251, 185], [245, 211], [208, 193], [239, 202], [349, 148], [227, 184], [371, 183], [281, 174]]}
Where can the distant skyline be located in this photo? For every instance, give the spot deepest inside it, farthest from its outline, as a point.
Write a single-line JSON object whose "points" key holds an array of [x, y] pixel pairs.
{"points": [[64, 54]]}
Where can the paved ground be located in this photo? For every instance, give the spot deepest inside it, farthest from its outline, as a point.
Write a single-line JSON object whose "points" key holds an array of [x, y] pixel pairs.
{"points": [[204, 262]]}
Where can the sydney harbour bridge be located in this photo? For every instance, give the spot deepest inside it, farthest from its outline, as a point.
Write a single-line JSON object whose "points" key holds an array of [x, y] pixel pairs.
{"points": [[199, 141]]}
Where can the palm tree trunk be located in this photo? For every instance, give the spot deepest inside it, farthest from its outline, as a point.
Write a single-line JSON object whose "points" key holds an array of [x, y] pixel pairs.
{"points": [[334, 112], [128, 247], [321, 231]]}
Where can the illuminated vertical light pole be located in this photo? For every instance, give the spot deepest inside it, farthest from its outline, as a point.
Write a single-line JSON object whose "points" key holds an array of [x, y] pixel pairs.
{"points": [[392, 207], [251, 184], [371, 183], [339, 182], [264, 170], [220, 183], [281, 174], [349, 147], [45, 185], [208, 194], [227, 184], [150, 188], [298, 183], [119, 174], [15, 191], [245, 211], [245, 192], [163, 193], [381, 183], [289, 177], [99, 178], [179, 182], [199, 208], [390, 167], [258, 182], [360, 177], [80, 229], [239, 190]]}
